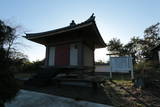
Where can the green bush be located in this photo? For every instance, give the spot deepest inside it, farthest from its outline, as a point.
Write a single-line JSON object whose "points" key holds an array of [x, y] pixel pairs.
{"points": [[148, 72], [8, 85], [33, 67], [144, 66]]}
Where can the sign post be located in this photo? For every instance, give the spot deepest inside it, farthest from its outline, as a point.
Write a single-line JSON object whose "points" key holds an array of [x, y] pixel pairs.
{"points": [[110, 73], [122, 64]]}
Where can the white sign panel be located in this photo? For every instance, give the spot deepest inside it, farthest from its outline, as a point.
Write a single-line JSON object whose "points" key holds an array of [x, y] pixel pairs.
{"points": [[121, 64]]}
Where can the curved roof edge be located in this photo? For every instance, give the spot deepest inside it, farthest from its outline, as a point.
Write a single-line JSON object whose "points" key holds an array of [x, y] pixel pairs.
{"points": [[71, 27]]}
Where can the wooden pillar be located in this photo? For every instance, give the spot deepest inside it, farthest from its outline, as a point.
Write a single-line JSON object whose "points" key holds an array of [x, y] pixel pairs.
{"points": [[80, 54], [93, 61]]}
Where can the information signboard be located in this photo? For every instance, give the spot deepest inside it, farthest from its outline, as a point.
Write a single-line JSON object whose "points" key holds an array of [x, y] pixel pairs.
{"points": [[121, 64]]}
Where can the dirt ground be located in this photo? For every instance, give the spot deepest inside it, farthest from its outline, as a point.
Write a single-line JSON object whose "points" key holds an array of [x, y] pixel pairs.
{"points": [[108, 94], [139, 97], [76, 92]]}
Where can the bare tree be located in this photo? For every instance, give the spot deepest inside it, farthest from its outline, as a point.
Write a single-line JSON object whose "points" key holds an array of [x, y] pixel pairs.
{"points": [[8, 86]]}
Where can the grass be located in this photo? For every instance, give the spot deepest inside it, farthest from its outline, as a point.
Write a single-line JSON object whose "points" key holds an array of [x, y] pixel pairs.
{"points": [[121, 76], [124, 83], [118, 96], [145, 95], [23, 75]]}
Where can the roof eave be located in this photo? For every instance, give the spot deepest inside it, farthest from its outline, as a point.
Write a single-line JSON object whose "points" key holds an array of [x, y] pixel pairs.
{"points": [[100, 39], [35, 36]]}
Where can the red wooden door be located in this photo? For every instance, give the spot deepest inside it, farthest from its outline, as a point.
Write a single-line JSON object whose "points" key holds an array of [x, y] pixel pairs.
{"points": [[62, 55]]}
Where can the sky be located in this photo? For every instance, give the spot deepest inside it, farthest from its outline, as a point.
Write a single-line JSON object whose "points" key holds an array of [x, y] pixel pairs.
{"points": [[121, 19]]}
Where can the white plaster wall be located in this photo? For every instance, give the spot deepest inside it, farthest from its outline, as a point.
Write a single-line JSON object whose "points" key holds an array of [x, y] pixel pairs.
{"points": [[88, 56], [73, 54], [51, 56]]}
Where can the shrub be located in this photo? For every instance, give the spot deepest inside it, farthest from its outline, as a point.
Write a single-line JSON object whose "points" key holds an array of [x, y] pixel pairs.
{"points": [[8, 86], [144, 66]]}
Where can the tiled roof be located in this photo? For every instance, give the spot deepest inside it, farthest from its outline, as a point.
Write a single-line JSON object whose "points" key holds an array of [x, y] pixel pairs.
{"points": [[90, 22]]}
